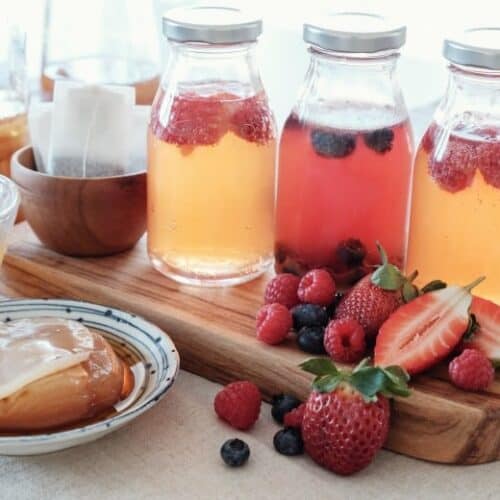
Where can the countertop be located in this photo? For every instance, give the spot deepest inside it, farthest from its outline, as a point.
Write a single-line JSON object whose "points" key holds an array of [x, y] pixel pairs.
{"points": [[172, 452]]}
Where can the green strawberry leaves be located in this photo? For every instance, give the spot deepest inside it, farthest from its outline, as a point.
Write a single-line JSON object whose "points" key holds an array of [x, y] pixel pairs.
{"points": [[368, 380], [472, 328], [433, 285], [387, 276]]}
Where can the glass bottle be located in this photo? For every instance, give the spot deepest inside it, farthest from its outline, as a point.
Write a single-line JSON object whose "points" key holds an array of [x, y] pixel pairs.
{"points": [[13, 94], [211, 152], [103, 42], [455, 215], [345, 152]]}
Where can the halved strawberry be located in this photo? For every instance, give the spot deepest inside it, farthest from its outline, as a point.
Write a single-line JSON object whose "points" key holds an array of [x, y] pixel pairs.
{"points": [[487, 338], [424, 331]]}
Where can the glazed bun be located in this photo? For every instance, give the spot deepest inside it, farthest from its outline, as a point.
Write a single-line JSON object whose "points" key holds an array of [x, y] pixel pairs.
{"points": [[67, 396]]}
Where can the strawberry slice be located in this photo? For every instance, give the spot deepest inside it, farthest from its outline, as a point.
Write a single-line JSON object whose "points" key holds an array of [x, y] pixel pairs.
{"points": [[424, 331], [487, 338]]}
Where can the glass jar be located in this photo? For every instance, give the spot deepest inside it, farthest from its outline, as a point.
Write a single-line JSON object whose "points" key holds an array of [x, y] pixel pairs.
{"points": [[13, 95], [103, 42], [345, 152], [211, 152], [9, 204], [455, 215]]}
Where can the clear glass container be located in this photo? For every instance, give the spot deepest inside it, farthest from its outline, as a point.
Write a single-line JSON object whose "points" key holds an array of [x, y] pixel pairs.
{"points": [[13, 96], [211, 152], [345, 152], [455, 215], [103, 42], [9, 204]]}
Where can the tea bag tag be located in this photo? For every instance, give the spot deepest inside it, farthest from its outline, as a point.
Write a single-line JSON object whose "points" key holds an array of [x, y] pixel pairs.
{"points": [[91, 130]]}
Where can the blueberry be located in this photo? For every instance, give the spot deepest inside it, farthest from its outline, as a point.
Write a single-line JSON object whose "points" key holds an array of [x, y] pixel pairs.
{"points": [[235, 452], [330, 309], [350, 252], [310, 339], [380, 140], [308, 315], [282, 404], [288, 441], [332, 145]]}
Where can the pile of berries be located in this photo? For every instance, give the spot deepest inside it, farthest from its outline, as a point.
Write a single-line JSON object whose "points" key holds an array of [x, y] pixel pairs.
{"points": [[307, 305]]}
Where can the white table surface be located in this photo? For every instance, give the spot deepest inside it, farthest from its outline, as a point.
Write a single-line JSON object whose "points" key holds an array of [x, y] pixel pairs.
{"points": [[172, 452]]}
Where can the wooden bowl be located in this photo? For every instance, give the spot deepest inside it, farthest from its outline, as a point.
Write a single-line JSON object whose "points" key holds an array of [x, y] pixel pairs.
{"points": [[84, 217]]}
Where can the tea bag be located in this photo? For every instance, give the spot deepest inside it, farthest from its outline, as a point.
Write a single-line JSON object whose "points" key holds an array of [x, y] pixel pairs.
{"points": [[91, 130]]}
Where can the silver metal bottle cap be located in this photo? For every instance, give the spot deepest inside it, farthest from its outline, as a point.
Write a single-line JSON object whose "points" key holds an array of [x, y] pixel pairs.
{"points": [[355, 32], [211, 24], [479, 47]]}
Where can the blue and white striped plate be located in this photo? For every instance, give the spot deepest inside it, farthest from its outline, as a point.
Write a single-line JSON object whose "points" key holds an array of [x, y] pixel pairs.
{"points": [[132, 338]]}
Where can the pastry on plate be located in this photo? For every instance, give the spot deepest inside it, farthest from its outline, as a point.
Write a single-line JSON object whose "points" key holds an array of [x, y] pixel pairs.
{"points": [[56, 372]]}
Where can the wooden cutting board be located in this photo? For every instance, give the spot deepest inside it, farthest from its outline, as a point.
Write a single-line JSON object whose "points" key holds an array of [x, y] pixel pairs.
{"points": [[214, 332]]}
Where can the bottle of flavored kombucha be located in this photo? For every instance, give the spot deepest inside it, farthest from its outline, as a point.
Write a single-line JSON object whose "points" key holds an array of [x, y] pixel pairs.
{"points": [[455, 214], [211, 150], [345, 152]]}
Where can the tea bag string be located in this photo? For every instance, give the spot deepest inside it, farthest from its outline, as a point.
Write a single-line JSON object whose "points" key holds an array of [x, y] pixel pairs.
{"points": [[87, 139]]}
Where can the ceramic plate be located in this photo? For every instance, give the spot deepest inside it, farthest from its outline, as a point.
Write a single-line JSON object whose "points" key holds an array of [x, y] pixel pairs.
{"points": [[133, 339]]}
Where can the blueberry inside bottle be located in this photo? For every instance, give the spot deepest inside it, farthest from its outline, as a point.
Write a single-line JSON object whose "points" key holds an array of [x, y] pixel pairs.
{"points": [[345, 153]]}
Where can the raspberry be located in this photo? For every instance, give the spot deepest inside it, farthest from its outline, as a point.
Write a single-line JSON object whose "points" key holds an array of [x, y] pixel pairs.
{"points": [[238, 404], [331, 144], [294, 418], [456, 168], [428, 138], [282, 289], [253, 120], [471, 371], [489, 163], [193, 120], [380, 140], [345, 340], [274, 321], [317, 287]]}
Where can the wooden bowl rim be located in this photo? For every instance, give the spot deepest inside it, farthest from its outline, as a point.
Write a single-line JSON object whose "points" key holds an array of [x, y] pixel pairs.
{"points": [[17, 164]]}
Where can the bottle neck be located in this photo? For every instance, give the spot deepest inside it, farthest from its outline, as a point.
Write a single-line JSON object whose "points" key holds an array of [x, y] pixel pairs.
{"points": [[208, 69], [472, 98], [364, 86]]}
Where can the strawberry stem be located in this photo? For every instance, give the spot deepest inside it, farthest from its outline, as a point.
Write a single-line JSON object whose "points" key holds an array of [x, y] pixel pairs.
{"points": [[476, 282], [411, 277]]}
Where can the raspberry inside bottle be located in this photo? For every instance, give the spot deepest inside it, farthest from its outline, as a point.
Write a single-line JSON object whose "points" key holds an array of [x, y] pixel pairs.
{"points": [[345, 153], [211, 152], [455, 215]]}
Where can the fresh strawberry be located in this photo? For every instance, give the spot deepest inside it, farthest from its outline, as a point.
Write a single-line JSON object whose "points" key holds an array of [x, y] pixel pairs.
{"points": [[282, 289], [424, 331], [471, 371], [253, 120], [346, 419], [487, 336], [373, 299], [193, 120]]}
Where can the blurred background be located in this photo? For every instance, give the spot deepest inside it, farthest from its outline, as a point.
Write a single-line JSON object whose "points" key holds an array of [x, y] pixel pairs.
{"points": [[283, 55]]}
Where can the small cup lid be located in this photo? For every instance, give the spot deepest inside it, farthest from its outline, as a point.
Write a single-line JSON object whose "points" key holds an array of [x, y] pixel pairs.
{"points": [[356, 32], [478, 47], [211, 24], [9, 198]]}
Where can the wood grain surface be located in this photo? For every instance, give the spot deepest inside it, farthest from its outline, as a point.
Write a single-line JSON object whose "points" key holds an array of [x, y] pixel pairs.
{"points": [[214, 332]]}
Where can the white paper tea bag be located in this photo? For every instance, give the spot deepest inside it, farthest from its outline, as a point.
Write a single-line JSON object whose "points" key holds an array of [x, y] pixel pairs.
{"points": [[91, 130]]}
